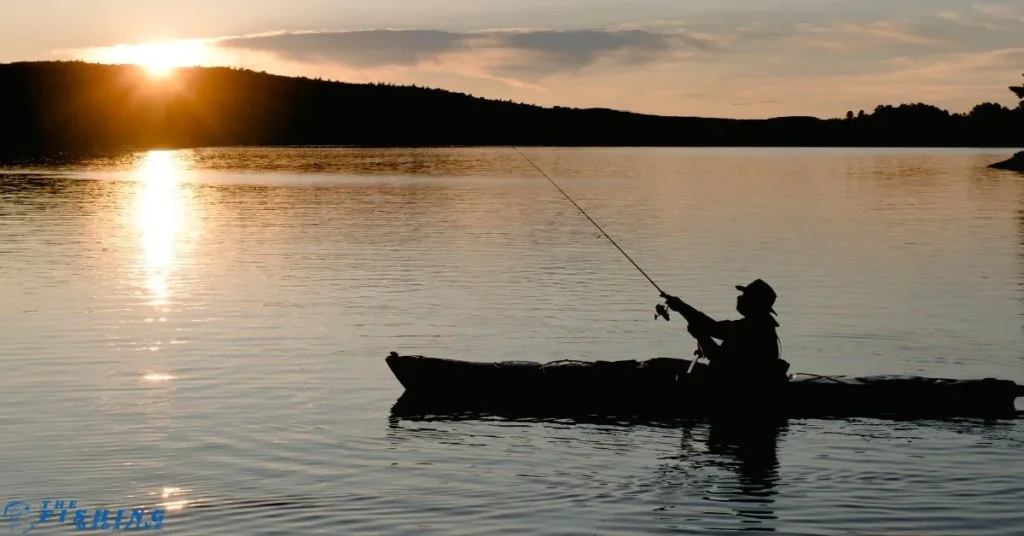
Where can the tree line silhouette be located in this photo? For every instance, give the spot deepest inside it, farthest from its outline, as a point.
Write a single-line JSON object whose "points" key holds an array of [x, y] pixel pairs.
{"points": [[59, 106]]}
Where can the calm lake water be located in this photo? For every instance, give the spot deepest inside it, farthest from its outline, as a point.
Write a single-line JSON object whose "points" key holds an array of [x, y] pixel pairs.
{"points": [[206, 330]]}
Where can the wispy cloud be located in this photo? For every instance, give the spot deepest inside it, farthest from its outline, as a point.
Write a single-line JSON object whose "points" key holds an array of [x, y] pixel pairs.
{"points": [[359, 49], [1000, 11], [982, 18], [886, 32], [957, 18], [526, 54]]}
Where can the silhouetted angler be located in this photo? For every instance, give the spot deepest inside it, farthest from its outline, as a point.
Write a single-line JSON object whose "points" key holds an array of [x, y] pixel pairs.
{"points": [[749, 352]]}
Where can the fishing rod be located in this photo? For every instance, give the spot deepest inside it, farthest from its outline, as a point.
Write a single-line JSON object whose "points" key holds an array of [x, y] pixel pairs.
{"points": [[660, 308], [630, 259]]}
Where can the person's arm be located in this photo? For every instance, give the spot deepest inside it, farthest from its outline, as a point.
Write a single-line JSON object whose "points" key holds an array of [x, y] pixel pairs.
{"points": [[699, 320], [720, 329], [701, 326], [706, 334]]}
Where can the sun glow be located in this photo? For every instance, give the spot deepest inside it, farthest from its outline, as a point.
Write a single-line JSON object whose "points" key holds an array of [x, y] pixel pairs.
{"points": [[158, 59]]}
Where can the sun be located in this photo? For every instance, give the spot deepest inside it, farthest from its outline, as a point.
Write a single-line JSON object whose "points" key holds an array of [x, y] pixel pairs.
{"points": [[158, 59]]}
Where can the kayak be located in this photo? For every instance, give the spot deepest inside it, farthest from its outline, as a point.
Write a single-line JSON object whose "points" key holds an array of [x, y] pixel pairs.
{"points": [[668, 387]]}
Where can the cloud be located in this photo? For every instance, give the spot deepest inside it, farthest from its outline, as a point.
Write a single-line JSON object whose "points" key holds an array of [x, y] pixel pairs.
{"points": [[879, 31], [1000, 11], [987, 17], [528, 54], [373, 48], [957, 18]]}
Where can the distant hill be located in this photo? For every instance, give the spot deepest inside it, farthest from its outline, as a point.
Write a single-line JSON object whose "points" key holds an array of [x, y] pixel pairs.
{"points": [[48, 106]]}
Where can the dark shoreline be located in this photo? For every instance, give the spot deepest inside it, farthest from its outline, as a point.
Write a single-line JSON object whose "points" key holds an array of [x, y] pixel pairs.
{"points": [[53, 107]]}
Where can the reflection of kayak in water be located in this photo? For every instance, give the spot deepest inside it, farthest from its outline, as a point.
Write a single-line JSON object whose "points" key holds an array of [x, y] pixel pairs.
{"points": [[663, 386]]}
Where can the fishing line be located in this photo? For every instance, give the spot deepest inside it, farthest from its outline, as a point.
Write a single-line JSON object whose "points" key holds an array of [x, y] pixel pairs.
{"points": [[630, 259], [661, 310]]}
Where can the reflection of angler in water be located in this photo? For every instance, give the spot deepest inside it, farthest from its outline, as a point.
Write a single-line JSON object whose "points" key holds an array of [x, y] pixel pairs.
{"points": [[748, 448], [754, 448]]}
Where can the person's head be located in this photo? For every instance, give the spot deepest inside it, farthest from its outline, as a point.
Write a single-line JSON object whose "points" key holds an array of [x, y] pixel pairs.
{"points": [[756, 299]]}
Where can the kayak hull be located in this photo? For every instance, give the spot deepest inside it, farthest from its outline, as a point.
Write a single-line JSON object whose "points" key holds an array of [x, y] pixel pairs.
{"points": [[667, 388]]}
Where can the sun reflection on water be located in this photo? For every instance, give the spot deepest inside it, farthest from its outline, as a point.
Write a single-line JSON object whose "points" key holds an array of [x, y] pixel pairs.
{"points": [[159, 377], [158, 221], [172, 500]]}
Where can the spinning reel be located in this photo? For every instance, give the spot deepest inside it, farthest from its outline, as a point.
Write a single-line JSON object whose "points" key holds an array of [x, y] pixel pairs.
{"points": [[661, 311]]}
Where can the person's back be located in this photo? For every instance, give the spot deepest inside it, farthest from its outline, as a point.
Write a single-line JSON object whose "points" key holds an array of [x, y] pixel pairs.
{"points": [[749, 351]]}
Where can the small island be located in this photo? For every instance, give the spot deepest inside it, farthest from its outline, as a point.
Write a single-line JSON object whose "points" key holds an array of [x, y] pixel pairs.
{"points": [[1015, 163]]}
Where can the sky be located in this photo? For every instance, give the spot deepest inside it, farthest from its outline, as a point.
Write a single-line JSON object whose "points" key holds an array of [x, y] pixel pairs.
{"points": [[721, 58]]}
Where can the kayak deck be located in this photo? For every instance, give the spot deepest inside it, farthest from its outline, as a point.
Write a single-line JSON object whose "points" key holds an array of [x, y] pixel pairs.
{"points": [[664, 387]]}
